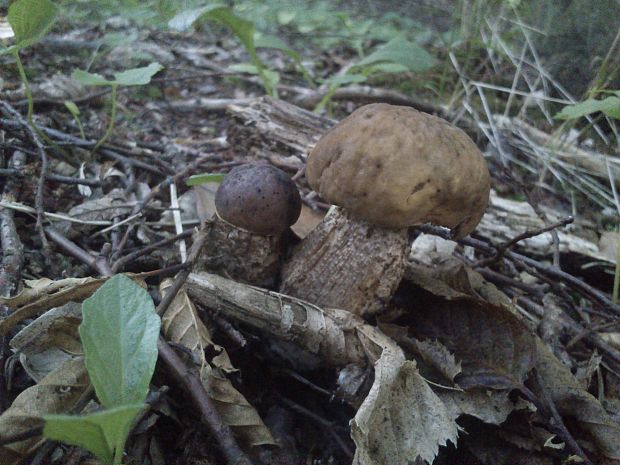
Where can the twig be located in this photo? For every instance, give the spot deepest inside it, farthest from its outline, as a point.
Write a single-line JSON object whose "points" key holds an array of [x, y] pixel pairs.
{"points": [[550, 271], [30, 131], [193, 385], [73, 180], [155, 191], [559, 425], [329, 425], [121, 262], [12, 248], [179, 280], [98, 263], [504, 247]]}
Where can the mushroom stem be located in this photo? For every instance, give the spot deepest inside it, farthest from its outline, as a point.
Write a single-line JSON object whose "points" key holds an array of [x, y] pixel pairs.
{"points": [[347, 263], [244, 256]]}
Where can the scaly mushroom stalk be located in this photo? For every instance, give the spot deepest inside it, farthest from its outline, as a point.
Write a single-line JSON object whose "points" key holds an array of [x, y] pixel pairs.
{"points": [[387, 167]]}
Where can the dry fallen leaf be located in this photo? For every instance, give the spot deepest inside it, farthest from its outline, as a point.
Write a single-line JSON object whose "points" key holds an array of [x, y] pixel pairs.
{"points": [[496, 349], [58, 392], [401, 418], [182, 325], [49, 340], [574, 401]]}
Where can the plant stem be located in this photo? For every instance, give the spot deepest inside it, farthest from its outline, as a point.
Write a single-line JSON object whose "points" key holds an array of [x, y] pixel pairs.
{"points": [[614, 293], [110, 128], [24, 78]]}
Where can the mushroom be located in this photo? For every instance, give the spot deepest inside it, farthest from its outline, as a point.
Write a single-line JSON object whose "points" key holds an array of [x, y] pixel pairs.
{"points": [[255, 207], [386, 167]]}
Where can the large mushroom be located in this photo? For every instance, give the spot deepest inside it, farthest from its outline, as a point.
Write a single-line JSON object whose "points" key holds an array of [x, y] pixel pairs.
{"points": [[387, 168], [255, 207]]}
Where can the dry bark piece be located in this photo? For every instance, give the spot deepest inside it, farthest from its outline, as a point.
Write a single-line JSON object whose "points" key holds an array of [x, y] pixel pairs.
{"points": [[388, 167], [255, 205]]}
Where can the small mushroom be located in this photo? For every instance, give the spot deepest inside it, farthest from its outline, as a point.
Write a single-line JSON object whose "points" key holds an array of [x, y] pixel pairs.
{"points": [[387, 168], [255, 206]]}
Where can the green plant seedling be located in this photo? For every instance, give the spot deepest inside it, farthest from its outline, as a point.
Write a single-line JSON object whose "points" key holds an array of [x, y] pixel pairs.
{"points": [[408, 56], [274, 42], [30, 21], [609, 106], [119, 334], [130, 77], [103, 433], [242, 28], [75, 111], [396, 56], [199, 179]]}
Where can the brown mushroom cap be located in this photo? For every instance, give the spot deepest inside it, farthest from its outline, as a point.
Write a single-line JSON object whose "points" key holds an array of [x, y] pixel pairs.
{"points": [[258, 198], [395, 167]]}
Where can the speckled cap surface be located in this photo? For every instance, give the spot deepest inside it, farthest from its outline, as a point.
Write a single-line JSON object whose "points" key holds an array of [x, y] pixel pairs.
{"points": [[395, 167], [258, 198]]}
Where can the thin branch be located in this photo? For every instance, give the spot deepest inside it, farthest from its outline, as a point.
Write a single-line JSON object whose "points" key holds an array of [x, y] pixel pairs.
{"points": [[504, 247]]}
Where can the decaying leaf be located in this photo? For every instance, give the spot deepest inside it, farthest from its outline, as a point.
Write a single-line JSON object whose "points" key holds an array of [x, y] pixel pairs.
{"points": [[487, 405], [182, 325], [113, 204], [49, 340], [58, 392], [573, 401], [401, 419], [44, 294], [496, 349]]}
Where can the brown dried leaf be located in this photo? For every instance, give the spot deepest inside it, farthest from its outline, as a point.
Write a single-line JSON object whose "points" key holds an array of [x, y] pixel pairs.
{"points": [[487, 405], [182, 325], [49, 340], [45, 294], [401, 419], [496, 349], [307, 221], [573, 401], [58, 392], [114, 204]]}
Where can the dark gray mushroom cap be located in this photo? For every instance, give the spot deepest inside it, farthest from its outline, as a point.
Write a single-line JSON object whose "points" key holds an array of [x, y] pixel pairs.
{"points": [[258, 198]]}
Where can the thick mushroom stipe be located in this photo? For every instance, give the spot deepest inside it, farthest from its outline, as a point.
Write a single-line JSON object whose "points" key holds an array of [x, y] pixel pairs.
{"points": [[347, 264]]}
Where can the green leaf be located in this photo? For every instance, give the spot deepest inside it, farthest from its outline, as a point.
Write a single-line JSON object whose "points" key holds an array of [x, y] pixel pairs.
{"points": [[242, 28], [72, 107], [403, 52], [610, 106], [270, 41], [284, 17], [344, 79], [185, 19], [102, 433], [137, 76], [119, 333], [130, 77], [387, 68], [272, 78], [90, 79], [198, 179], [30, 20], [244, 68]]}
